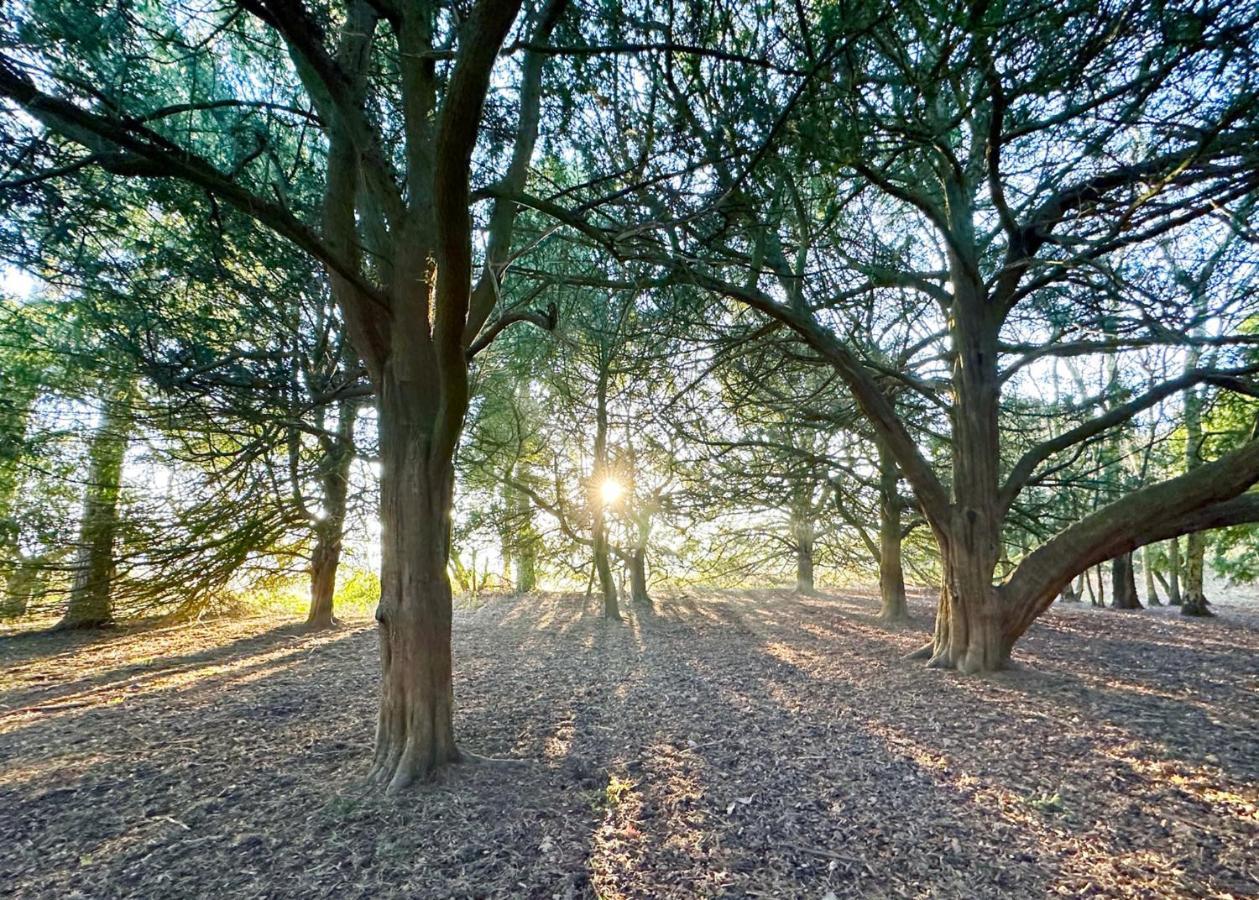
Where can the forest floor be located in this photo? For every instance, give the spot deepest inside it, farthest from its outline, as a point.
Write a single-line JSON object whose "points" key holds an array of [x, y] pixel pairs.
{"points": [[734, 744]]}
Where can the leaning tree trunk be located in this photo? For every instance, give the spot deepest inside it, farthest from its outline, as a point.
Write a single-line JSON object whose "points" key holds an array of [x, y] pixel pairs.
{"points": [[330, 530], [91, 603], [1147, 568], [1124, 583], [893, 607], [415, 731]]}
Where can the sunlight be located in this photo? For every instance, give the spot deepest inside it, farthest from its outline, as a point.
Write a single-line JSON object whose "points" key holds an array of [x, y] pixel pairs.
{"points": [[610, 491]]}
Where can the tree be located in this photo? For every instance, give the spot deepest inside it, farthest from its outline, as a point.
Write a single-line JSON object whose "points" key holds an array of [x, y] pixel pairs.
{"points": [[1010, 249], [90, 594], [393, 230]]}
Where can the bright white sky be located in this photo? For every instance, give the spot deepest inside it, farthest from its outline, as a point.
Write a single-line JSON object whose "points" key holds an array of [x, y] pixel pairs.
{"points": [[15, 283]]}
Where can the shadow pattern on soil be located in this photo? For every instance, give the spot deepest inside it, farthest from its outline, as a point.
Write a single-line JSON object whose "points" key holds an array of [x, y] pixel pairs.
{"points": [[721, 744]]}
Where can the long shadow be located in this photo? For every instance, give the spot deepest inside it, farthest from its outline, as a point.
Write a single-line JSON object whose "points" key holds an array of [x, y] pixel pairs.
{"points": [[37, 693], [701, 748]]}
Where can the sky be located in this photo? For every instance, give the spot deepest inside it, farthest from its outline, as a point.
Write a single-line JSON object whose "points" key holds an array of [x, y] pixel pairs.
{"points": [[15, 282]]}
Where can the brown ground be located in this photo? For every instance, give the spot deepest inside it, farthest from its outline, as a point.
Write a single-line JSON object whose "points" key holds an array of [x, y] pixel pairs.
{"points": [[742, 744]]}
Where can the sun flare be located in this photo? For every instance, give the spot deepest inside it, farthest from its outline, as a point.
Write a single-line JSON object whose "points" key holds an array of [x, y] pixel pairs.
{"points": [[610, 491]]}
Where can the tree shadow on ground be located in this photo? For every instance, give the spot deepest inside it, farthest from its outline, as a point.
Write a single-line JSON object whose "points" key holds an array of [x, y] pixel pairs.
{"points": [[712, 746]]}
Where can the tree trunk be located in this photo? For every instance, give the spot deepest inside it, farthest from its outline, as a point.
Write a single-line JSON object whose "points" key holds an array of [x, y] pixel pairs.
{"points": [[599, 533], [803, 535], [638, 577], [607, 584], [526, 570], [91, 603], [1073, 591], [1173, 572], [14, 417], [970, 633], [1147, 568], [415, 731], [330, 530], [1124, 583], [1194, 600], [804, 568], [893, 607], [21, 584]]}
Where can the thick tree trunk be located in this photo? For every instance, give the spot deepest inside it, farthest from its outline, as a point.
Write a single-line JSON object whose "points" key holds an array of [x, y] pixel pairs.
{"points": [[1147, 569], [1124, 583], [970, 631], [526, 570], [415, 731], [91, 603], [324, 560], [1194, 599], [804, 568], [638, 577], [893, 607], [330, 530], [803, 536]]}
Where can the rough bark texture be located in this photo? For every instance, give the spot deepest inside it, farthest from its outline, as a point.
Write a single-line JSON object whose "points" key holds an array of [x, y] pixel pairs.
{"points": [[90, 592], [1194, 599], [415, 732], [1124, 583], [971, 632]]}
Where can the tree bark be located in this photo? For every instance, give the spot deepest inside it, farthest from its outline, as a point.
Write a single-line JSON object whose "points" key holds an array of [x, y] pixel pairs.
{"points": [[970, 630], [1147, 568], [1194, 599], [1173, 572], [893, 607], [415, 731], [803, 536], [1124, 583], [804, 566], [91, 604], [638, 577], [330, 530]]}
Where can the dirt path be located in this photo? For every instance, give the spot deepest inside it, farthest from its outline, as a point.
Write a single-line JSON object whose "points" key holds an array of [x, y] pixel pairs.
{"points": [[741, 744]]}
